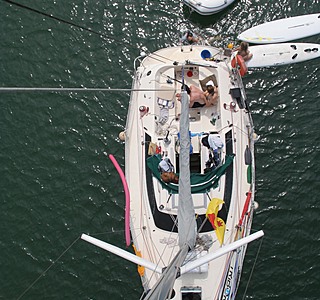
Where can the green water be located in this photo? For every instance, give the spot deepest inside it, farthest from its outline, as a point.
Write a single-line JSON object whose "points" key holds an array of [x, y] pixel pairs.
{"points": [[57, 181]]}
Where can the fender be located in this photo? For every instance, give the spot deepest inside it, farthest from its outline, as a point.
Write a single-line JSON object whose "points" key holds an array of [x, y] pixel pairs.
{"points": [[239, 62]]}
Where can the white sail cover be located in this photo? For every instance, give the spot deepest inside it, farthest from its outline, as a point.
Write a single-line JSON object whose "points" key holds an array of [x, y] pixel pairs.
{"points": [[186, 220]]}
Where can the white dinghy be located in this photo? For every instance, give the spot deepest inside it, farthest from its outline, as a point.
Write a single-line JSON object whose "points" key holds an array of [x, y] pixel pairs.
{"points": [[282, 30], [282, 54], [208, 7], [191, 235]]}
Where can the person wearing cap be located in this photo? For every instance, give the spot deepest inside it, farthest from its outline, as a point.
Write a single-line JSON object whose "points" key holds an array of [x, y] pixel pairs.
{"points": [[211, 93], [209, 97], [198, 98]]}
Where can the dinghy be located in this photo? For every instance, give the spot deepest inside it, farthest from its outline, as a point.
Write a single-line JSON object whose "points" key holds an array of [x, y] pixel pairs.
{"points": [[282, 54], [189, 167], [282, 30], [208, 7]]}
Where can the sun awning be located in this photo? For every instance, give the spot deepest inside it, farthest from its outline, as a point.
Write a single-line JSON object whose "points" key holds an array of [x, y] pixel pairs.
{"points": [[200, 183]]}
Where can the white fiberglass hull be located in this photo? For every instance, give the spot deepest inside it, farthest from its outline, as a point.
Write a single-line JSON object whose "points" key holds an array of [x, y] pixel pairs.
{"points": [[152, 128], [208, 7], [283, 30], [282, 54]]}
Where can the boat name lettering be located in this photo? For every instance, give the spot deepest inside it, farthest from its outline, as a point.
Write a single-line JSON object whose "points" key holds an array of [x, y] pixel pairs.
{"points": [[227, 288], [169, 241]]}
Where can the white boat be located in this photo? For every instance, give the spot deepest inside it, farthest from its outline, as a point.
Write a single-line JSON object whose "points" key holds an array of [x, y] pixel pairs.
{"points": [[208, 7], [188, 259], [283, 30], [282, 54]]}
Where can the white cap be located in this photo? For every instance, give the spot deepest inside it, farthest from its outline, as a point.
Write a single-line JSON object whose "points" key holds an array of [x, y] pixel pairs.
{"points": [[210, 82]]}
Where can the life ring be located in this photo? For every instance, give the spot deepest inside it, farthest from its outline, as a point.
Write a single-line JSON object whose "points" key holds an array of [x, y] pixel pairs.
{"points": [[239, 61]]}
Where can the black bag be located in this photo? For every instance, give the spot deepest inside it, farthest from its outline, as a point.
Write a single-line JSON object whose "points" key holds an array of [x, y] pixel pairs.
{"points": [[205, 141]]}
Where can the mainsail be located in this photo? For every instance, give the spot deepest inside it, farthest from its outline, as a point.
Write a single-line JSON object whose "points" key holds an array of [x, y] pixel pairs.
{"points": [[186, 220]]}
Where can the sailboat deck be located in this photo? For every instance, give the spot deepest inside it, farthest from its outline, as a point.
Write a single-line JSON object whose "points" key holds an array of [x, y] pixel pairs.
{"points": [[155, 128]]}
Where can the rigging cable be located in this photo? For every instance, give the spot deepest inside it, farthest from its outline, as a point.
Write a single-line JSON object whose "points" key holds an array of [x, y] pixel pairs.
{"points": [[254, 264], [102, 35], [83, 89], [58, 258], [46, 270]]}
